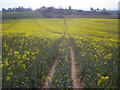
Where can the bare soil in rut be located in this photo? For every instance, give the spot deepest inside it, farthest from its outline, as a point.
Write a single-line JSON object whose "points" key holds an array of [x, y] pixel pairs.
{"points": [[76, 80], [50, 76]]}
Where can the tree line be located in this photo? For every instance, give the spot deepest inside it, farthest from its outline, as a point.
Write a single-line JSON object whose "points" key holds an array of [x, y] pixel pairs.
{"points": [[19, 9], [52, 11]]}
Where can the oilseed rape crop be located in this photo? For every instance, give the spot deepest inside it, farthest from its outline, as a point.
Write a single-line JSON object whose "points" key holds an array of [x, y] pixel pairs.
{"points": [[62, 76], [26, 59], [27, 55], [96, 47], [30, 48]]}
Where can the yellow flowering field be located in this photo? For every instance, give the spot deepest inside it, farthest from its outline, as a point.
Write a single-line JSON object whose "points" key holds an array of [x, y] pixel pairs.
{"points": [[31, 46], [96, 45], [29, 52]]}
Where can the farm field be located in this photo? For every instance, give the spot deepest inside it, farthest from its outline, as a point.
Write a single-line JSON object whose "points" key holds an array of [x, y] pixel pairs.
{"points": [[31, 47]]}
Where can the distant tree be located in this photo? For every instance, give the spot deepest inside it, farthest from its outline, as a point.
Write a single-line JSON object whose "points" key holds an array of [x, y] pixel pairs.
{"points": [[104, 9], [22, 8], [51, 8], [80, 10], [105, 12], [70, 7], [4, 10], [29, 9], [43, 7], [9, 9], [91, 9], [97, 9], [19, 9]]}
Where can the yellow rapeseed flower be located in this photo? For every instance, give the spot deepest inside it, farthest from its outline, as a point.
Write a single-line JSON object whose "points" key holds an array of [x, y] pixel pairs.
{"points": [[23, 66], [107, 78], [19, 57], [6, 63], [66, 60], [105, 57], [20, 62], [26, 77], [9, 68], [2, 65], [27, 58], [48, 78], [33, 57], [22, 82], [83, 55], [16, 52], [102, 78], [95, 56], [9, 53], [11, 73], [99, 82], [28, 52], [20, 47], [43, 77], [32, 53], [105, 62], [110, 54], [7, 78], [98, 75]]}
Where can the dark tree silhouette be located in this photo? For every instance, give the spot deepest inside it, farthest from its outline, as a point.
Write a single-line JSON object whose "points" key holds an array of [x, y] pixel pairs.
{"points": [[91, 9], [97, 9], [70, 7]]}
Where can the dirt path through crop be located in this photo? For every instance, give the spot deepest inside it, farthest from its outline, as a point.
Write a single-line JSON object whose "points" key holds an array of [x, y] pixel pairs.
{"points": [[50, 76], [76, 80]]}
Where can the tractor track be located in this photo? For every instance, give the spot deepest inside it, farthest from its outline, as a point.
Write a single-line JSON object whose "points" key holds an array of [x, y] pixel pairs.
{"points": [[50, 75], [44, 27], [76, 81]]}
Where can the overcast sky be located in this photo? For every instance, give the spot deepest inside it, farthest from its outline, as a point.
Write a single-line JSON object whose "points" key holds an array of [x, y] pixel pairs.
{"points": [[76, 4]]}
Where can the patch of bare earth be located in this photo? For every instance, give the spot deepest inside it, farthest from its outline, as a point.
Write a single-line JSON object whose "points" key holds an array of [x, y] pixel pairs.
{"points": [[76, 80], [48, 80]]}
